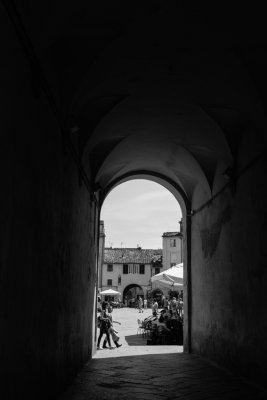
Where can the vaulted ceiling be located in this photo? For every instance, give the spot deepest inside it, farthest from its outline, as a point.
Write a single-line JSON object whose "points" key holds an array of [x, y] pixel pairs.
{"points": [[160, 86]]}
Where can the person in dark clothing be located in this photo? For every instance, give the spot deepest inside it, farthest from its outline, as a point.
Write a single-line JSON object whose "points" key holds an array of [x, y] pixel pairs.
{"points": [[111, 330], [104, 305], [104, 329]]}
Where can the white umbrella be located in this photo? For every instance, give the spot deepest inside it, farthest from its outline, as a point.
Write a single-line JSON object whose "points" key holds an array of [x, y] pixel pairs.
{"points": [[109, 292], [168, 284], [172, 275]]}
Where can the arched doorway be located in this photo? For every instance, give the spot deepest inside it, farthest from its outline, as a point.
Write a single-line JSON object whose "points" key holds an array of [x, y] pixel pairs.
{"points": [[131, 293], [184, 204]]}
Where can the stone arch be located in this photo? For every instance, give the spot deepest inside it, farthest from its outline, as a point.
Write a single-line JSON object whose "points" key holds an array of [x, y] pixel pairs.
{"points": [[134, 290], [185, 206]]}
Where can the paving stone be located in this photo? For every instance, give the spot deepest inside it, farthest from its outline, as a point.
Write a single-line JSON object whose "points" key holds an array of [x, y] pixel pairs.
{"points": [[141, 372]]}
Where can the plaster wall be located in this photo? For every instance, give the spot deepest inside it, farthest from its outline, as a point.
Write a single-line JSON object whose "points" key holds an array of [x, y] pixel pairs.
{"points": [[170, 254], [47, 256], [229, 273], [126, 279]]}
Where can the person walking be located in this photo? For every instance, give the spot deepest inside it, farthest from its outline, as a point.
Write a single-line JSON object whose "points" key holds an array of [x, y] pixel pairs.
{"points": [[145, 304], [104, 329], [140, 304], [173, 306], [155, 307], [112, 331], [166, 303]]}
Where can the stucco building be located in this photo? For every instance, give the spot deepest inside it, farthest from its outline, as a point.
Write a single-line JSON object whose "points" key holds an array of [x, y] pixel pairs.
{"points": [[128, 270], [172, 251]]}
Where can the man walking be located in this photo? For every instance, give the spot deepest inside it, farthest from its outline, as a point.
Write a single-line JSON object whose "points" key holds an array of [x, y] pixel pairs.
{"points": [[155, 307], [145, 304], [140, 304]]}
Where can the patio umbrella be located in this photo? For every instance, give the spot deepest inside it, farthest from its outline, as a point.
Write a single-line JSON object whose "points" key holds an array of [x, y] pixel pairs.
{"points": [[173, 275], [168, 284], [110, 292]]}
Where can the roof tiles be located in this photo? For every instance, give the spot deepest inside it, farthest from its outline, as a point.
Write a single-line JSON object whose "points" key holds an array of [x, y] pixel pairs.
{"points": [[171, 234], [130, 255]]}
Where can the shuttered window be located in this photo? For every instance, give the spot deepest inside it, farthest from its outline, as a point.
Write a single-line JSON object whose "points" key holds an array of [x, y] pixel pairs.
{"points": [[125, 268]]}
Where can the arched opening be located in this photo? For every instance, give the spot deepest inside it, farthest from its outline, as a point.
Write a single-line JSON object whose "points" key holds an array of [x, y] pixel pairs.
{"points": [[130, 294], [134, 290], [94, 95]]}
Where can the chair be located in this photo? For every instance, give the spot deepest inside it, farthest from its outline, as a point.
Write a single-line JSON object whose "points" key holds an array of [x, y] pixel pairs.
{"points": [[143, 328], [147, 326], [140, 328]]}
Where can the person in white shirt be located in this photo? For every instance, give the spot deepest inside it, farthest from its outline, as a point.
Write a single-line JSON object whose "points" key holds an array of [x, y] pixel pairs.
{"points": [[155, 307], [173, 306], [140, 304]]}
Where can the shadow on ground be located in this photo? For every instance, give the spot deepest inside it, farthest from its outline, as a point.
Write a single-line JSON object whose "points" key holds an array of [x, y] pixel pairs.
{"points": [[139, 340], [136, 340], [161, 376]]}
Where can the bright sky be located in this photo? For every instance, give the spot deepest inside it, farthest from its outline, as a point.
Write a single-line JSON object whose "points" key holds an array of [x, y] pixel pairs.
{"points": [[137, 212]]}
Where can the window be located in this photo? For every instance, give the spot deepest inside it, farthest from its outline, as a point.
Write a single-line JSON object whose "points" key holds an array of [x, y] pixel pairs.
{"points": [[157, 270], [119, 280], [110, 267], [173, 242], [135, 268], [142, 269], [125, 268], [109, 282]]}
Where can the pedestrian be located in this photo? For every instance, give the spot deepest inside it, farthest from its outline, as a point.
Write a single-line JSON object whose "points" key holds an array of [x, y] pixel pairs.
{"points": [[104, 305], [112, 331], [155, 307], [173, 306], [180, 307], [145, 304], [140, 304], [104, 328], [166, 303]]}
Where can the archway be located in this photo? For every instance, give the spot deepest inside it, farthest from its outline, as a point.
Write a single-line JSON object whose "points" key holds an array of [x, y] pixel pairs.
{"points": [[185, 207], [130, 294]]}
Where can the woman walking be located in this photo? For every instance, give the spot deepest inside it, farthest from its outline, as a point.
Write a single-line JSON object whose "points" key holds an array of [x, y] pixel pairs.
{"points": [[105, 324], [112, 331]]}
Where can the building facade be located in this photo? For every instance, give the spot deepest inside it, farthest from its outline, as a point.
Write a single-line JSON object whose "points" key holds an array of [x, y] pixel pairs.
{"points": [[128, 270], [172, 249]]}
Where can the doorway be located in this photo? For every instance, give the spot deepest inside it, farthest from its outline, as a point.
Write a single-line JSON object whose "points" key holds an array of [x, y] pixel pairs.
{"points": [[132, 289], [130, 295]]}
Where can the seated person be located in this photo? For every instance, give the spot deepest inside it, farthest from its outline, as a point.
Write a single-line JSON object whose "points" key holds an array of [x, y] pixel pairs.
{"points": [[162, 314], [159, 328]]}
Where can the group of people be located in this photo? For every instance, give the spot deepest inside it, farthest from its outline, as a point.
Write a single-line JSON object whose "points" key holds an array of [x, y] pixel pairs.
{"points": [[141, 303], [174, 305], [169, 321], [105, 325]]}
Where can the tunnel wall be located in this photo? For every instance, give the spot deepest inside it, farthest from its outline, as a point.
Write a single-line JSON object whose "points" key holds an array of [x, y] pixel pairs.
{"points": [[229, 274], [47, 262]]}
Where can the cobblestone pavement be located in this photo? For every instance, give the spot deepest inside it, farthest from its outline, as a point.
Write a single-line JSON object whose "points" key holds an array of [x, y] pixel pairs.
{"points": [[138, 371]]}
